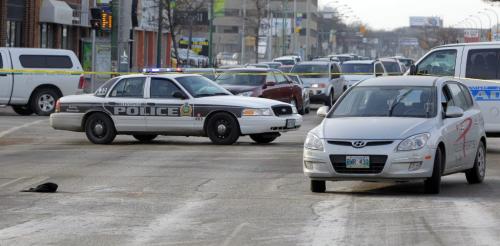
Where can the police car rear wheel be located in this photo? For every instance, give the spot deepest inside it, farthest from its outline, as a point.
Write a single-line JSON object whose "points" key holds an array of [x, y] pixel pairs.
{"points": [[264, 138], [100, 129], [223, 129], [145, 138]]}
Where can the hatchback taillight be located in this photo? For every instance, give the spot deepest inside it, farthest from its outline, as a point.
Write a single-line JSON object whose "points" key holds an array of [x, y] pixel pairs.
{"points": [[81, 83]]}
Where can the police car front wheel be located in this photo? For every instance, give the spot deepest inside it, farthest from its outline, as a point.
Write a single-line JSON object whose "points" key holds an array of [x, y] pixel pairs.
{"points": [[100, 129], [222, 128]]}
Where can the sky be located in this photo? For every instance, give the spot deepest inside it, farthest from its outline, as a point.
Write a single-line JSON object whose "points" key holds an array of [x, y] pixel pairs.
{"points": [[390, 14]]}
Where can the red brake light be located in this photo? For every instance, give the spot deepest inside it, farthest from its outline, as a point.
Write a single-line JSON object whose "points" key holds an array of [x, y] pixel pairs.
{"points": [[81, 83], [58, 106], [321, 85]]}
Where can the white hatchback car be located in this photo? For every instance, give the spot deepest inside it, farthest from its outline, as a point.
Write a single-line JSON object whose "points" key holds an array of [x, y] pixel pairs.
{"points": [[399, 129]]}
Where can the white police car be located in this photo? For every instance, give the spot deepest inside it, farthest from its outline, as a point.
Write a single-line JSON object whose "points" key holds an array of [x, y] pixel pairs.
{"points": [[398, 128], [148, 105]]}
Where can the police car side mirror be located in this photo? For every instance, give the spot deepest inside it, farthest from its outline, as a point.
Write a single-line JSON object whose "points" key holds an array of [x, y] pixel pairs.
{"points": [[413, 69], [322, 111], [179, 95], [454, 112]]}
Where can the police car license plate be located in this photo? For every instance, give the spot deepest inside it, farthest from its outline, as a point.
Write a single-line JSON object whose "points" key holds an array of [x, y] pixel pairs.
{"points": [[357, 162], [290, 123]]}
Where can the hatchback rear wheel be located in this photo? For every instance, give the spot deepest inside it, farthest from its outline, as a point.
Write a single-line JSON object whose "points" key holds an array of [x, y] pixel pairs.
{"points": [[476, 174]]}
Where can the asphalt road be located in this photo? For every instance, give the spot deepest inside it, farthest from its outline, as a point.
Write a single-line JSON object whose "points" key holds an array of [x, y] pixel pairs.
{"points": [[186, 191]]}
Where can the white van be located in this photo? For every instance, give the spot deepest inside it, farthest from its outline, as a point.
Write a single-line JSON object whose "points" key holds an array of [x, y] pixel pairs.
{"points": [[475, 64], [33, 92]]}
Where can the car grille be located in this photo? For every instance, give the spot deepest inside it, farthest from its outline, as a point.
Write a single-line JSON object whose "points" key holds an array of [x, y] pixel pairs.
{"points": [[282, 110], [368, 143], [377, 163]]}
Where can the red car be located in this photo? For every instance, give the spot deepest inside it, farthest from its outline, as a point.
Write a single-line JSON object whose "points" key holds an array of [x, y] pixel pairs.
{"points": [[262, 82]]}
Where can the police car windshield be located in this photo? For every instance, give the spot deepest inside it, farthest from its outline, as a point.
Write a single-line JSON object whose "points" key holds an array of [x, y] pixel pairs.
{"points": [[199, 86], [387, 101]]}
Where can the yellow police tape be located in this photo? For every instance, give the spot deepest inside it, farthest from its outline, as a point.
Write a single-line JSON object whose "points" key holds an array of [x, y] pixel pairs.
{"points": [[73, 72]]}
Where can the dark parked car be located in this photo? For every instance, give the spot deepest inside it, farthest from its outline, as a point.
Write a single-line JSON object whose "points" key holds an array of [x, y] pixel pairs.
{"points": [[262, 82]]}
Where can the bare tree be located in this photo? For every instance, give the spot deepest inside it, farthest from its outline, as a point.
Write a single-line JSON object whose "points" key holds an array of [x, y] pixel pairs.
{"points": [[256, 21]]}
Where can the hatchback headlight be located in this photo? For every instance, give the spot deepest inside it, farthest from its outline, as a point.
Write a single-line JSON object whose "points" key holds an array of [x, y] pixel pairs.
{"points": [[246, 94], [313, 142], [414, 142], [257, 112]]}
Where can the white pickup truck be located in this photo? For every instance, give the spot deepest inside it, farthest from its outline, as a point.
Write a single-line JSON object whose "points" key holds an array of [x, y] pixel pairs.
{"points": [[40, 85]]}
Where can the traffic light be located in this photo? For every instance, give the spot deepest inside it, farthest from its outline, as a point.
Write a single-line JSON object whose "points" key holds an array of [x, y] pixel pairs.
{"points": [[95, 21]]}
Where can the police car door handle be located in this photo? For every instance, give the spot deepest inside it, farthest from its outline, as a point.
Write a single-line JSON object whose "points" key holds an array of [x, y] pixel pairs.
{"points": [[151, 104]]}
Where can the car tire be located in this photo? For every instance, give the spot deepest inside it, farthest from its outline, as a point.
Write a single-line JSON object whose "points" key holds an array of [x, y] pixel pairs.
{"points": [[308, 109], [331, 99], [476, 174], [318, 186], [145, 137], [22, 110], [223, 129], [43, 101], [100, 129], [264, 138], [432, 185]]}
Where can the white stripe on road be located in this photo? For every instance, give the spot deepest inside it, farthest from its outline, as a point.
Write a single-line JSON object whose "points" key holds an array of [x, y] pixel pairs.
{"points": [[13, 129], [11, 182], [233, 234]]}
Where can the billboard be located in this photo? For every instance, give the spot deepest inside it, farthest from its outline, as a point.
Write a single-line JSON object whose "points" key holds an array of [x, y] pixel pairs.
{"points": [[423, 21]]}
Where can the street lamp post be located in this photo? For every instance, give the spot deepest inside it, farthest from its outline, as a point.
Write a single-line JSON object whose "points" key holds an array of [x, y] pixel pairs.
{"points": [[496, 14], [489, 19], [480, 24]]}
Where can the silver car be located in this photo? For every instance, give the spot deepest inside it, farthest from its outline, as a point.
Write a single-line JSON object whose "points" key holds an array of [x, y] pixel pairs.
{"points": [[399, 129]]}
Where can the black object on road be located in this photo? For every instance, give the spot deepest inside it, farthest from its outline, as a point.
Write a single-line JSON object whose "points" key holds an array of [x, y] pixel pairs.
{"points": [[44, 188]]}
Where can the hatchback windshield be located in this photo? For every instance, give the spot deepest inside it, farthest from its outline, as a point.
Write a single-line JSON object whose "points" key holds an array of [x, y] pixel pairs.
{"points": [[199, 86], [247, 78], [387, 101], [311, 71], [361, 69]]}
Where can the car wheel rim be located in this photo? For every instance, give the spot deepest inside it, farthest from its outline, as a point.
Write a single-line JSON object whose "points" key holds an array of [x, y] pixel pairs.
{"points": [[99, 129], [46, 102], [481, 162], [222, 128]]}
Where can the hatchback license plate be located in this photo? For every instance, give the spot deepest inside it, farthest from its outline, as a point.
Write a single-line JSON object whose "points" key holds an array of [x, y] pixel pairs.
{"points": [[357, 162], [290, 123]]}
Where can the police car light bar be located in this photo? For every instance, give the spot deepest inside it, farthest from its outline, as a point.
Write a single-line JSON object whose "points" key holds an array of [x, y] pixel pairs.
{"points": [[162, 70]]}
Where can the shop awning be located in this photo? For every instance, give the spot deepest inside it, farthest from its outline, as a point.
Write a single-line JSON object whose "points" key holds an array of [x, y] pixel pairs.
{"points": [[54, 11]]}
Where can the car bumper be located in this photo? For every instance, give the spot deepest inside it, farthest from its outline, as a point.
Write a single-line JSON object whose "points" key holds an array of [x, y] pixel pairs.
{"points": [[319, 165], [318, 96], [267, 124], [66, 121]]}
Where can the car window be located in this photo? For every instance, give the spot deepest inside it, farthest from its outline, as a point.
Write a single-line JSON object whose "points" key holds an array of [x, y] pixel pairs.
{"points": [[270, 78], [482, 64], [387, 101], [378, 68], [280, 78], [392, 68], [311, 70], [335, 69], [468, 96], [199, 86], [45, 61], [104, 89], [458, 96], [357, 68], [163, 88], [441, 63], [129, 87]]}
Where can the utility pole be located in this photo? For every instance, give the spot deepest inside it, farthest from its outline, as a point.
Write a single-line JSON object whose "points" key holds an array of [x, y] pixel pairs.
{"points": [[294, 27], [308, 30], [269, 31], [283, 49], [124, 28], [160, 31], [92, 76], [210, 31], [242, 58]]}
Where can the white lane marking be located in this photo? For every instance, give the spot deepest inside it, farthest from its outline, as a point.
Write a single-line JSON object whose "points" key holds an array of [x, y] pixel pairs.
{"points": [[233, 234], [13, 129], [169, 223], [11, 182]]}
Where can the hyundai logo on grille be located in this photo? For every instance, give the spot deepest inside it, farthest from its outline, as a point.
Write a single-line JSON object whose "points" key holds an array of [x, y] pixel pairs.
{"points": [[358, 144]]}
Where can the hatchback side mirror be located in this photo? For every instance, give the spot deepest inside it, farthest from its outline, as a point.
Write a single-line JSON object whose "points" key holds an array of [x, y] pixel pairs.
{"points": [[179, 95], [270, 83], [454, 112], [322, 111]]}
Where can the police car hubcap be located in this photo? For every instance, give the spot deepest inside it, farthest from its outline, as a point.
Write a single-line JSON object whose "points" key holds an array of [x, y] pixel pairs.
{"points": [[46, 102], [221, 129], [99, 129]]}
